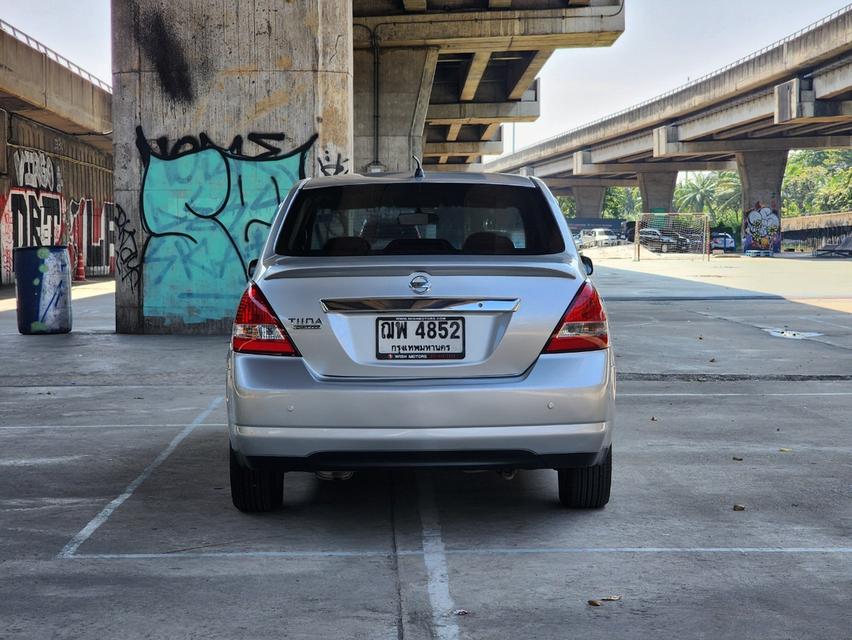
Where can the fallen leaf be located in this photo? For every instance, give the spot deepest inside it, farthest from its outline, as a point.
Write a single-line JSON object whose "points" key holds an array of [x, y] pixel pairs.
{"points": [[739, 507], [701, 337], [784, 450], [595, 603], [461, 612], [653, 418], [712, 359], [738, 459], [612, 598]]}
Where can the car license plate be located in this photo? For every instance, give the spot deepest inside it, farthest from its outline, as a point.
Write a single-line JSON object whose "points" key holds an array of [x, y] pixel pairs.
{"points": [[420, 338]]}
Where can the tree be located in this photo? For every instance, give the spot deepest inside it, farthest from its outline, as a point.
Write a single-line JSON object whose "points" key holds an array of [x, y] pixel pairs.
{"points": [[622, 202], [568, 206]]}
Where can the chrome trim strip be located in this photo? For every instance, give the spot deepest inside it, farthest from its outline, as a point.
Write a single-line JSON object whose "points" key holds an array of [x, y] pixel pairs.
{"points": [[354, 271], [392, 305]]}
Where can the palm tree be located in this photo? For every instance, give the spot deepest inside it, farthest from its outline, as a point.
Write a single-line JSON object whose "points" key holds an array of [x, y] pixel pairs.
{"points": [[729, 191], [697, 194]]}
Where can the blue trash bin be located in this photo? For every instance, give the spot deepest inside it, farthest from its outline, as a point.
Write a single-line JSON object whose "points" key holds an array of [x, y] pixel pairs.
{"points": [[43, 288]]}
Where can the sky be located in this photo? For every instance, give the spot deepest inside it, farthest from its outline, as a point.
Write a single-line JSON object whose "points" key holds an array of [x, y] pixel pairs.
{"points": [[666, 43]]}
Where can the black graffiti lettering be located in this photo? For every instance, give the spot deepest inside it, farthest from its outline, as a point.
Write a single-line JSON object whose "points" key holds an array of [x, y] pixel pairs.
{"points": [[36, 218], [329, 167], [127, 254], [191, 144]]}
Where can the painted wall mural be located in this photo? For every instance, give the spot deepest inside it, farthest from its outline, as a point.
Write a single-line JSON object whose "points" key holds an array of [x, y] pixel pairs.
{"points": [[35, 212], [762, 228], [207, 211]]}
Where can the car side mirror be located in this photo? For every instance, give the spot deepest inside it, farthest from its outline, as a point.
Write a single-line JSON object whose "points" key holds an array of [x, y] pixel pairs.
{"points": [[587, 264], [252, 265]]}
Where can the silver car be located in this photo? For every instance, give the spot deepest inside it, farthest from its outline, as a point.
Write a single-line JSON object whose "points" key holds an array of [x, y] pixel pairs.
{"points": [[433, 321]]}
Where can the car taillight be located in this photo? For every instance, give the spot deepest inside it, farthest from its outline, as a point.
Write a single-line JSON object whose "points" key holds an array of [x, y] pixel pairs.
{"points": [[583, 326], [257, 329]]}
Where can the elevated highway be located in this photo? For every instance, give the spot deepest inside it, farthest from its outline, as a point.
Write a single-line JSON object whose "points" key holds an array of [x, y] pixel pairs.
{"points": [[793, 94]]}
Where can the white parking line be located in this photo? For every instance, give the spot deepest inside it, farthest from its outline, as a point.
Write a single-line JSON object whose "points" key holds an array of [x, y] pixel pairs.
{"points": [[435, 560], [70, 549], [447, 604]]}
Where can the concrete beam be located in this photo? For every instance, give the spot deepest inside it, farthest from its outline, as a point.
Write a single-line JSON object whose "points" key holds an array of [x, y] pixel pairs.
{"points": [[582, 166], [622, 148], [490, 148], [491, 130], [796, 101], [751, 108], [474, 75], [516, 88], [666, 144], [833, 82], [483, 112], [534, 29]]}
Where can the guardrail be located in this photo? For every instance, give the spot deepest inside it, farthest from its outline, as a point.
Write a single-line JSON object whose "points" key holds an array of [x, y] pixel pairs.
{"points": [[53, 55]]}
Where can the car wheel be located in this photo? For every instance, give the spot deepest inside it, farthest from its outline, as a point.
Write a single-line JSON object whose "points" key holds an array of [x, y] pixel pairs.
{"points": [[254, 490], [586, 487]]}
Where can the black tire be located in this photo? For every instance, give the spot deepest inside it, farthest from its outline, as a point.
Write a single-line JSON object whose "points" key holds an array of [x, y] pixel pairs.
{"points": [[586, 487], [255, 491]]}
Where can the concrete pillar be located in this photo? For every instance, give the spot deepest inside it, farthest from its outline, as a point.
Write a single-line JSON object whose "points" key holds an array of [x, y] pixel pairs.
{"points": [[657, 189], [405, 85], [589, 201], [761, 174], [218, 109]]}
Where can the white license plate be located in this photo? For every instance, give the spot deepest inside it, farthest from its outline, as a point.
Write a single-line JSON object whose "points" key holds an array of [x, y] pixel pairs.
{"points": [[420, 338]]}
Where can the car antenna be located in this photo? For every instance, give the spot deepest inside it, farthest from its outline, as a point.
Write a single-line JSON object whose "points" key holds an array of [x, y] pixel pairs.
{"points": [[418, 172]]}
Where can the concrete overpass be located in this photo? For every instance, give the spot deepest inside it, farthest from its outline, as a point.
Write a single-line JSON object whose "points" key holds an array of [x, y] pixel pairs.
{"points": [[449, 73], [220, 107], [45, 87], [55, 156], [793, 94]]}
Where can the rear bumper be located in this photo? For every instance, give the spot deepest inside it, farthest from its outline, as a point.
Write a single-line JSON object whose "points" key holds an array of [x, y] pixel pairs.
{"points": [[297, 449], [558, 413]]}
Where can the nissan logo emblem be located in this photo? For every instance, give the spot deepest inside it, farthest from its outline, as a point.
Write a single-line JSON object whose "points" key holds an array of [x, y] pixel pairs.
{"points": [[419, 283]]}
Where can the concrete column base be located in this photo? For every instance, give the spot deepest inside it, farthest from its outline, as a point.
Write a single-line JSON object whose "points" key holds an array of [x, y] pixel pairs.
{"points": [[589, 201], [657, 189], [762, 174]]}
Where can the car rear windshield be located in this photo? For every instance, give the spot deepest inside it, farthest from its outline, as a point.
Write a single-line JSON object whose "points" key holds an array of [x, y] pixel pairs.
{"points": [[418, 219]]}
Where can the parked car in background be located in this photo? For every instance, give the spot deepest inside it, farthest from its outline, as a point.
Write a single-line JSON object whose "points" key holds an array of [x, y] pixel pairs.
{"points": [[683, 244], [723, 241], [473, 339], [655, 240], [599, 237]]}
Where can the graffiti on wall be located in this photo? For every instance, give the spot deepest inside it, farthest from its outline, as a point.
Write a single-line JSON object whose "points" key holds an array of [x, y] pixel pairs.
{"points": [[36, 213], [207, 211], [128, 263], [35, 169], [329, 165], [762, 228]]}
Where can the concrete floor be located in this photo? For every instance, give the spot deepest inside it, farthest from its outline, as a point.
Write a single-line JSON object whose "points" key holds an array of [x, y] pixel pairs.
{"points": [[115, 517]]}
